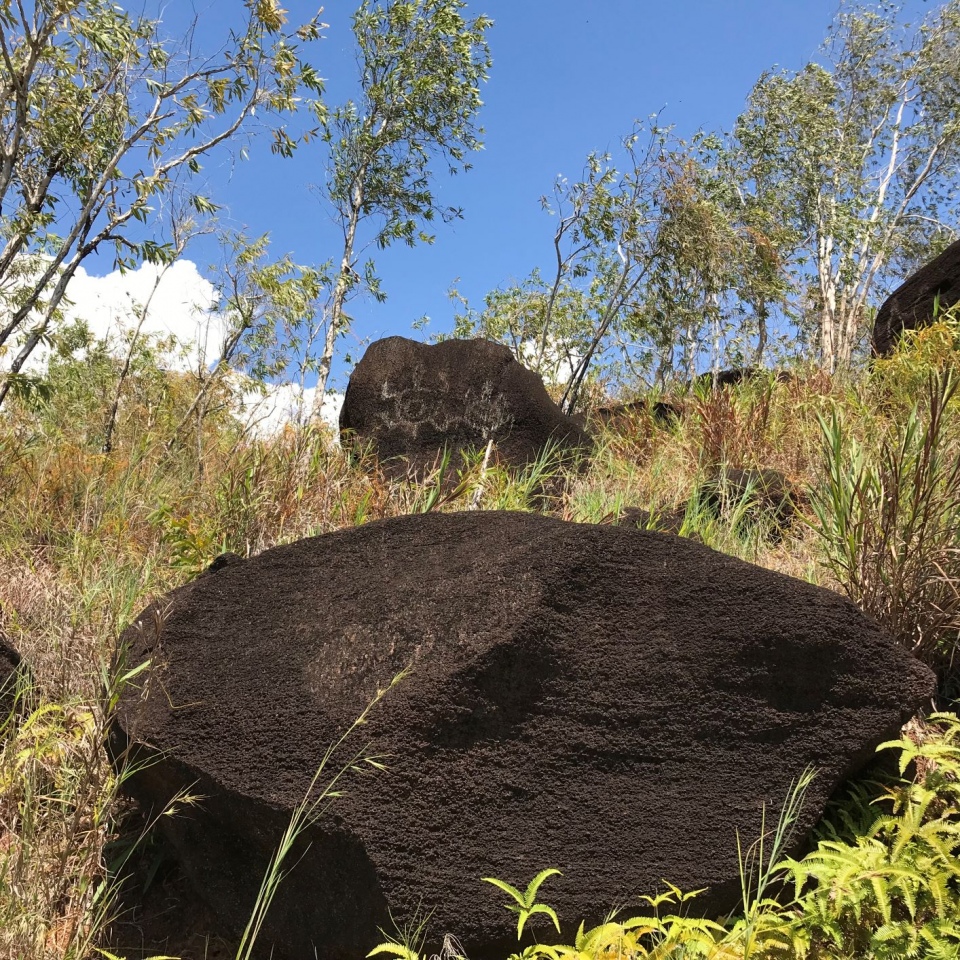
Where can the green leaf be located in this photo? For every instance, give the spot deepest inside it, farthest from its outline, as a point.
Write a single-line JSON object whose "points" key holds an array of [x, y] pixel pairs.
{"points": [[396, 950], [506, 888]]}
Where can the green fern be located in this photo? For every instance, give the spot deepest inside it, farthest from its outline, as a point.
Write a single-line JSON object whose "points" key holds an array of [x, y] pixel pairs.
{"points": [[894, 890], [525, 904]]}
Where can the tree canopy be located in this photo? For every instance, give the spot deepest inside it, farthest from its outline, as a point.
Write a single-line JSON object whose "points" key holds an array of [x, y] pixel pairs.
{"points": [[104, 123], [856, 157], [778, 237], [420, 66]]}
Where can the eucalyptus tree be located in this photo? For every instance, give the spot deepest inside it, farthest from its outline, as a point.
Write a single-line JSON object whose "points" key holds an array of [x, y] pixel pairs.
{"points": [[691, 297], [102, 122], [265, 303], [644, 251], [421, 63], [605, 244], [609, 222], [515, 315], [855, 159]]}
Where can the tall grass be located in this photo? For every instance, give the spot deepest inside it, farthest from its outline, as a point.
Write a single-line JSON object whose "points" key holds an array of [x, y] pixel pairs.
{"points": [[890, 522], [59, 799]]}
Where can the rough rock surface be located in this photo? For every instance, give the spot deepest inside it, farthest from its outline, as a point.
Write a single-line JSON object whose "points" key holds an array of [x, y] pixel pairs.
{"points": [[911, 305], [609, 701], [411, 399], [10, 667]]}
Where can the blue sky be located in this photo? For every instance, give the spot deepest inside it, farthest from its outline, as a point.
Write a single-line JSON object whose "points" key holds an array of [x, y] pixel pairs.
{"points": [[567, 78]]}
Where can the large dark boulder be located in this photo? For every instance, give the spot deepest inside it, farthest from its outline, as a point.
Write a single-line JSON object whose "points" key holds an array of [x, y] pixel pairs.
{"points": [[613, 702], [912, 305], [409, 400]]}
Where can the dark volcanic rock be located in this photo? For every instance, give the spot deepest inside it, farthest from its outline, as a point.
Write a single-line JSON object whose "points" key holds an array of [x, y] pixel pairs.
{"points": [[725, 378], [665, 413], [735, 376], [762, 493], [911, 305], [612, 702], [411, 399], [11, 665]]}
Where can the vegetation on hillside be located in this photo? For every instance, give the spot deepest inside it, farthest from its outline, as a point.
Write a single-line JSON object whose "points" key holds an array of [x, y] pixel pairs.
{"points": [[87, 537], [776, 239], [122, 478]]}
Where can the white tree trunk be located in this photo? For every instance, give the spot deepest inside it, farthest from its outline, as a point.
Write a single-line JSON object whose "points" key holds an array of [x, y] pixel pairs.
{"points": [[340, 290]]}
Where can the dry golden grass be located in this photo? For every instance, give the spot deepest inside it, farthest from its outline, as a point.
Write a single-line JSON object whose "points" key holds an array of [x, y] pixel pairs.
{"points": [[86, 540]]}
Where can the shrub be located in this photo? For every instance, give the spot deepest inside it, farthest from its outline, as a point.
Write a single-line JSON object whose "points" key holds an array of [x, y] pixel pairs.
{"points": [[892, 891], [920, 354], [890, 523]]}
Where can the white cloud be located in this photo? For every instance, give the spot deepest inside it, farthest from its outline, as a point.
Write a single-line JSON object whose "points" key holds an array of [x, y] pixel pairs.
{"points": [[266, 414], [558, 365], [179, 302]]}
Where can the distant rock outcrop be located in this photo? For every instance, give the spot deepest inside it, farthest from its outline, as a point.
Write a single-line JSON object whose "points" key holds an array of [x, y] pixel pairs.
{"points": [[11, 665], [736, 376], [612, 702], [912, 305], [761, 494], [665, 413], [409, 400], [724, 378]]}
